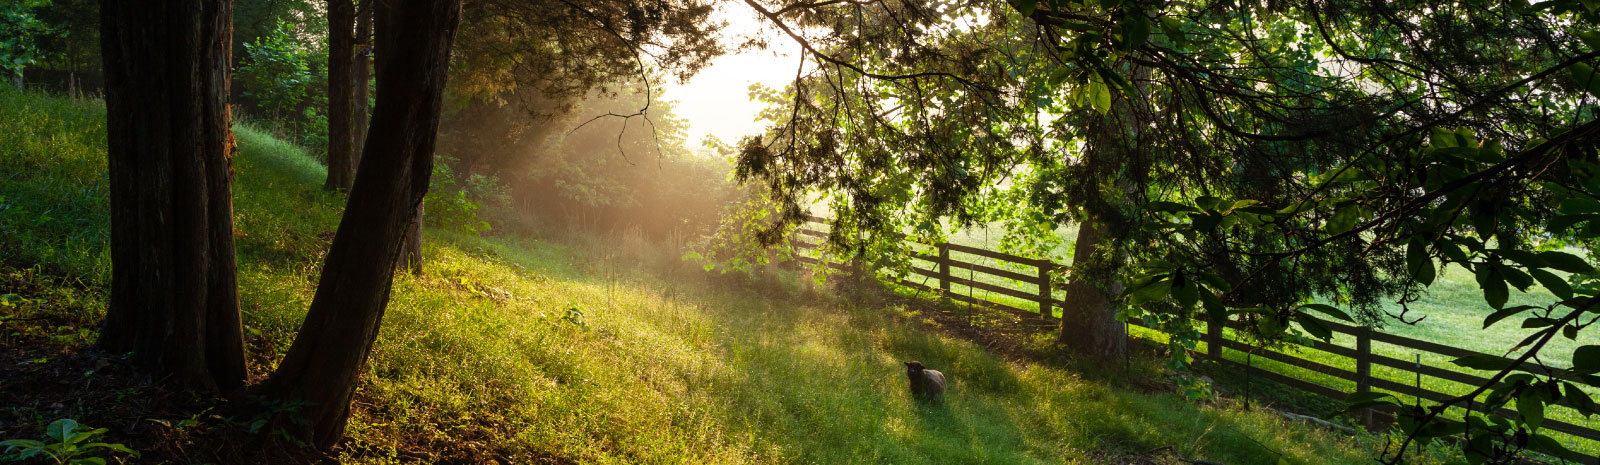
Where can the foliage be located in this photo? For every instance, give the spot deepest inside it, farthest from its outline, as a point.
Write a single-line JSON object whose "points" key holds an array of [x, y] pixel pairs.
{"points": [[66, 442], [551, 54], [19, 33], [455, 205], [1249, 159], [255, 19], [285, 72]]}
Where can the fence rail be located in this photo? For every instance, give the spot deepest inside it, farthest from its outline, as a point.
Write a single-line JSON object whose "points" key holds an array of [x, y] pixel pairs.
{"points": [[1031, 287]]}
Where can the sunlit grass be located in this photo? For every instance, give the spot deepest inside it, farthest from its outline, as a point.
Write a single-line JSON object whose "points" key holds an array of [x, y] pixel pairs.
{"points": [[530, 348]]}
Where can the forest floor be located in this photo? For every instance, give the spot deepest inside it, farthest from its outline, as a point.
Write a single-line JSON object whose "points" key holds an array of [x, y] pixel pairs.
{"points": [[512, 349]]}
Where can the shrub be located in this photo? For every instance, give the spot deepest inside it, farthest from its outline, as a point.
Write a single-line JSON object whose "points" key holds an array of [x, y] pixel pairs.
{"points": [[285, 74]]}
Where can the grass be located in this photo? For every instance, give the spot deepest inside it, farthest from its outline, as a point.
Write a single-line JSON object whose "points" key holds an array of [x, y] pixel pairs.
{"points": [[527, 350]]}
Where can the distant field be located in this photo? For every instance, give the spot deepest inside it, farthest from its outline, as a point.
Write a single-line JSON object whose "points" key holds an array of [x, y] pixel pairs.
{"points": [[1453, 306]]}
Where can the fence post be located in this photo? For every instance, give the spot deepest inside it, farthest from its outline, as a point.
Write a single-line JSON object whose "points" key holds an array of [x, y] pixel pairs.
{"points": [[944, 269], [1044, 289], [1364, 371], [1214, 340]]}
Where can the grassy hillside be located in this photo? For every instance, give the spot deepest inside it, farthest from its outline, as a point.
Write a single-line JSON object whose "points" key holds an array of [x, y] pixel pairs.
{"points": [[520, 350]]}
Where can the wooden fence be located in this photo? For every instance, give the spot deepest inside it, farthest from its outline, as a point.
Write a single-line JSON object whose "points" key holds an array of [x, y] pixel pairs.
{"points": [[1036, 292]]}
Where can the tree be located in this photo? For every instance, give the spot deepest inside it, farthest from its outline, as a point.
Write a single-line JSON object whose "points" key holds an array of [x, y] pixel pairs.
{"points": [[173, 299], [1274, 154], [363, 78], [341, 95], [22, 30], [322, 366]]}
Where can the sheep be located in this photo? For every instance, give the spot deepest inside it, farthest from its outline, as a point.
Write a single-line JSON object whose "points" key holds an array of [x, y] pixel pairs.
{"points": [[926, 385]]}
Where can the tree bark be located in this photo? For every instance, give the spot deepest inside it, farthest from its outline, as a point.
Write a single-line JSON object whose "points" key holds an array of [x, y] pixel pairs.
{"points": [[1089, 326], [363, 75], [341, 102], [174, 304], [410, 258], [328, 354]]}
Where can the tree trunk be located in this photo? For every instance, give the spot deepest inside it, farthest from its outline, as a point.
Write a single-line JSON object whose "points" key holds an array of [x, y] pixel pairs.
{"points": [[410, 258], [169, 148], [1089, 325], [341, 86], [329, 352], [363, 75]]}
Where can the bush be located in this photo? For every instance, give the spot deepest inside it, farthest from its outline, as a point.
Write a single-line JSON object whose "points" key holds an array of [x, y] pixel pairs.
{"points": [[456, 204], [285, 75]]}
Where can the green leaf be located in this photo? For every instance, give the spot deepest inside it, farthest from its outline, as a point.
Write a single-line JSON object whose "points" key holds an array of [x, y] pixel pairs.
{"points": [[1504, 313], [1416, 253], [1135, 30], [1186, 291], [1452, 250], [1440, 137], [1579, 205], [1313, 326], [1174, 31], [1154, 291], [1580, 401], [1343, 220], [1483, 362], [1566, 262], [1586, 78], [1099, 96], [1217, 312], [22, 444], [1554, 283], [1164, 206], [1530, 408], [1026, 7], [1514, 276], [1590, 38], [1329, 310], [1546, 444], [1561, 223], [1418, 262], [1359, 400], [62, 429], [1494, 290], [1586, 358], [1205, 222], [115, 447]]}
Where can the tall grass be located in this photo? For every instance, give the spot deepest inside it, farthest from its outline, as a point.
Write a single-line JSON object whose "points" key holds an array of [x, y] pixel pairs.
{"points": [[521, 349]]}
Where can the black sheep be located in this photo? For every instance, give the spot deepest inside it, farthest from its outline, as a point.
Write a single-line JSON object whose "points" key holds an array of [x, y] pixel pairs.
{"points": [[926, 385]]}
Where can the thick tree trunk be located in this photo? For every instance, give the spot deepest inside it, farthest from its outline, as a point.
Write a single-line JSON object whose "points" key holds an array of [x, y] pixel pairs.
{"points": [[363, 75], [1089, 325], [341, 87], [329, 352], [410, 258], [173, 299]]}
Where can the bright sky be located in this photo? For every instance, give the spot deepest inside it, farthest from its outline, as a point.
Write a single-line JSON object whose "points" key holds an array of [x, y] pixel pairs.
{"points": [[716, 101]]}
